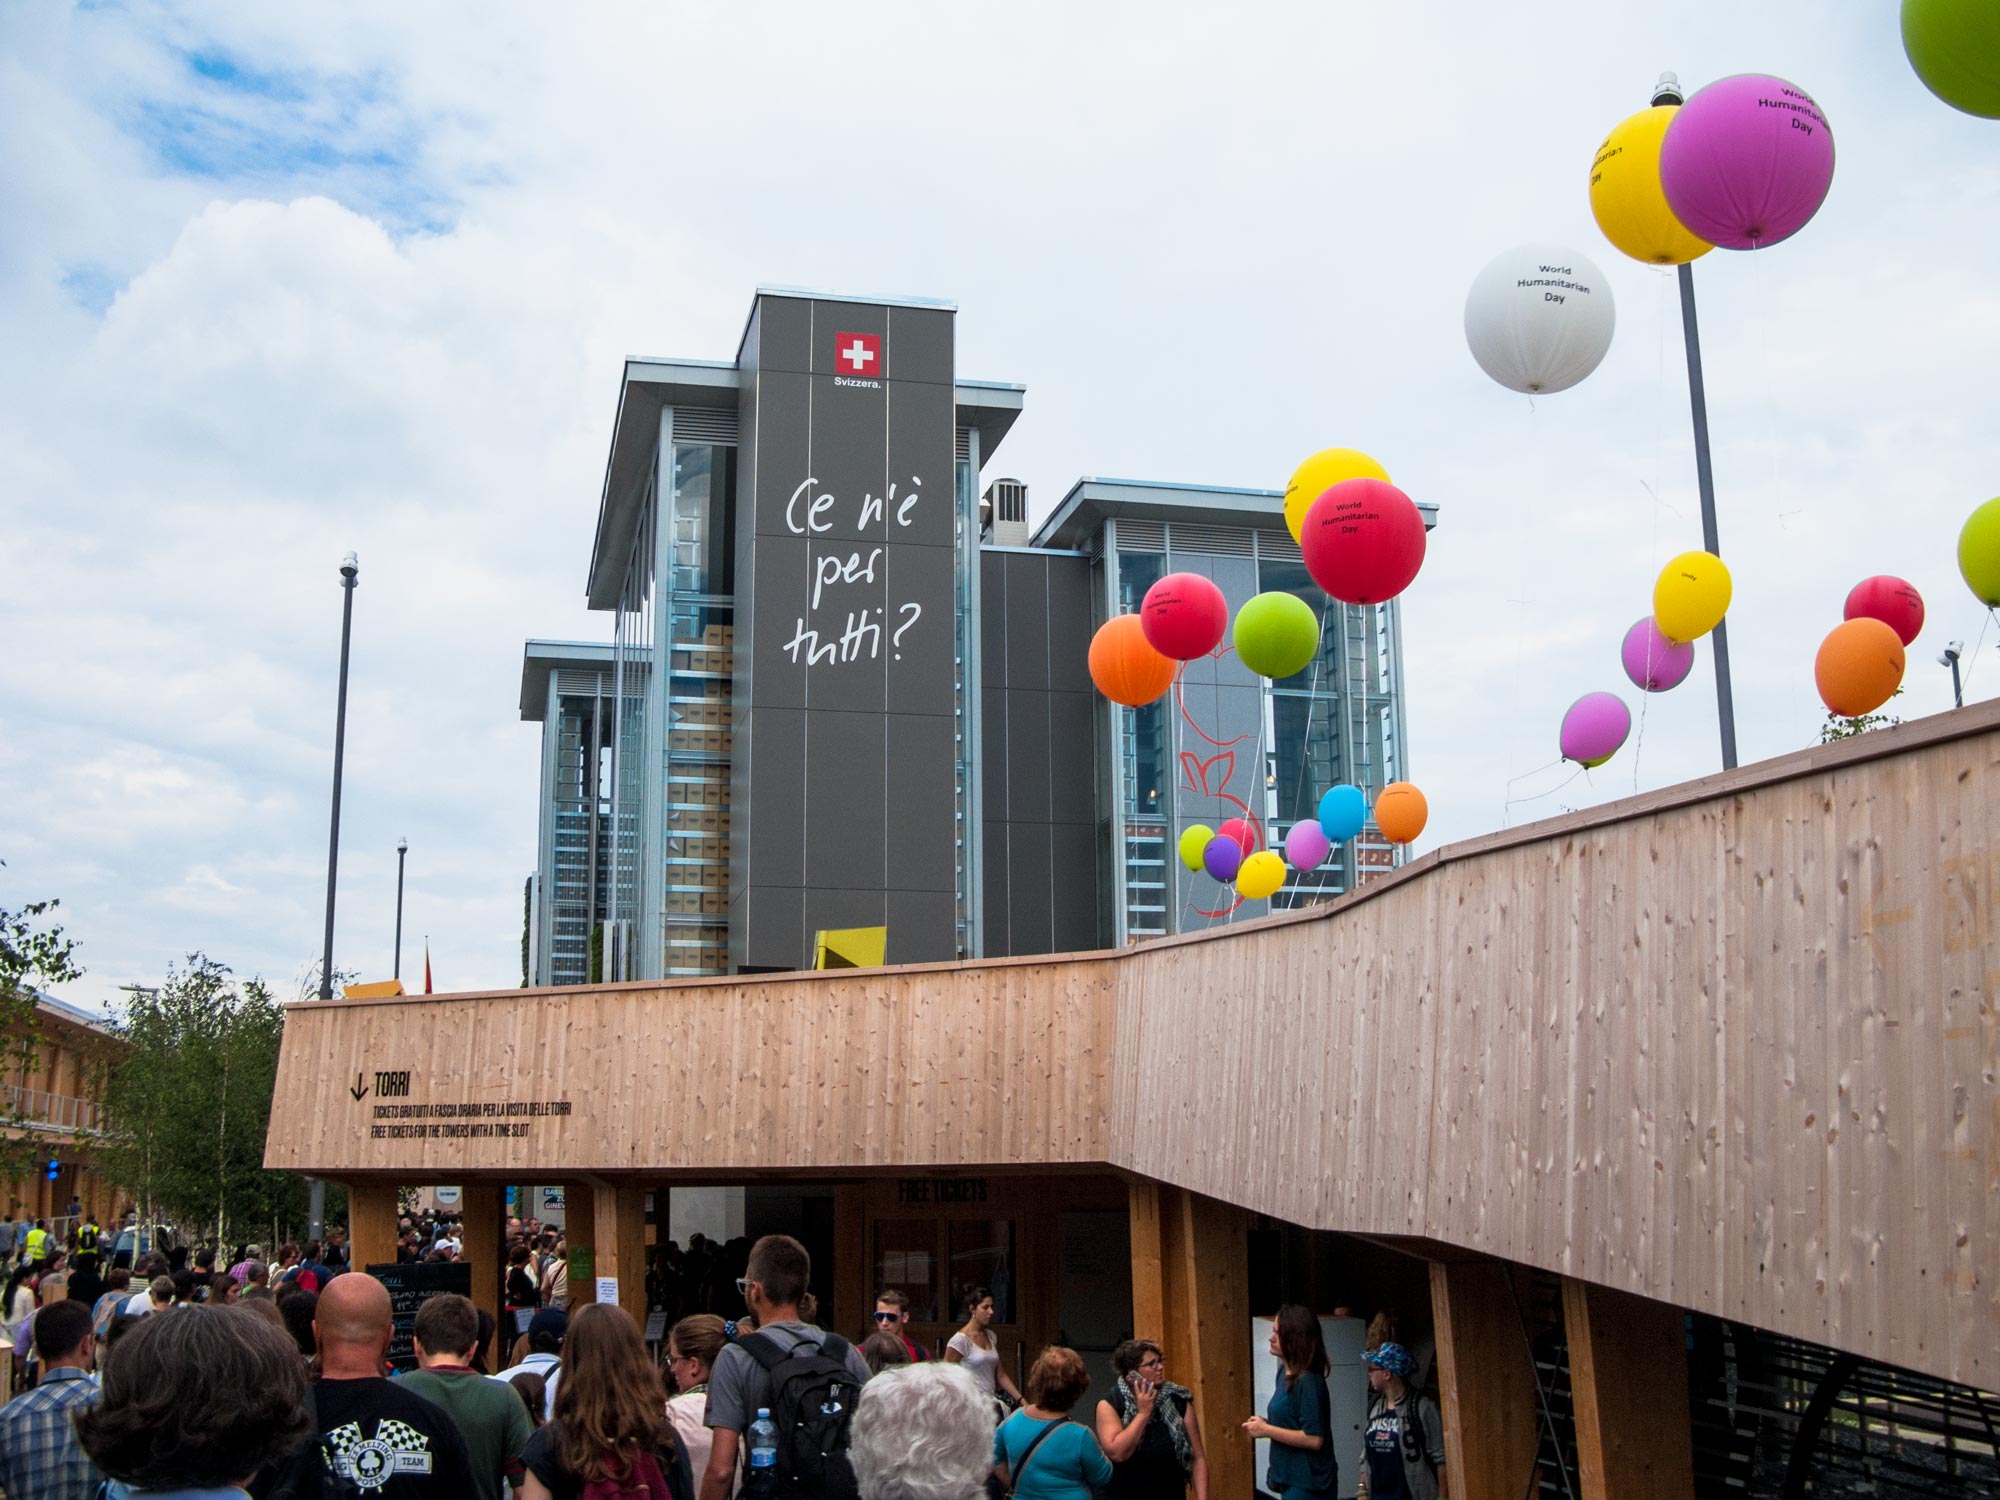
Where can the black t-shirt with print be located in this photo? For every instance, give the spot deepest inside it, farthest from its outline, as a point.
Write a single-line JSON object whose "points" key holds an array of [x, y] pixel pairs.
{"points": [[392, 1443]]}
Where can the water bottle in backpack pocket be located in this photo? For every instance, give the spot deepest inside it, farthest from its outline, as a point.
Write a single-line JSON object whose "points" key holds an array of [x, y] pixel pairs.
{"points": [[812, 1404]]}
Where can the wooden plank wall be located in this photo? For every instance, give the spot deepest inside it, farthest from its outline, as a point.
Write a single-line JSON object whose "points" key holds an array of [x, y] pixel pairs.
{"points": [[1733, 1046]]}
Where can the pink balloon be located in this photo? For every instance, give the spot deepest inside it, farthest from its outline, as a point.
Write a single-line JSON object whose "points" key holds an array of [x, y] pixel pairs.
{"points": [[1307, 845], [1594, 728], [1653, 662], [1747, 161]]}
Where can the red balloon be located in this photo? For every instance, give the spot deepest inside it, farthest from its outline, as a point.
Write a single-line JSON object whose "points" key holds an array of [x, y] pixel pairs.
{"points": [[1892, 601], [1184, 616], [1363, 541], [1239, 832]]}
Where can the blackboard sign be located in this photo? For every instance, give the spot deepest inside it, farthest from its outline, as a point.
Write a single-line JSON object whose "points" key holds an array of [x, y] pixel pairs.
{"points": [[410, 1286]]}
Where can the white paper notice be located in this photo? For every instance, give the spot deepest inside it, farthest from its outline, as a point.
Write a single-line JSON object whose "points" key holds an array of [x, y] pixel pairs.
{"points": [[607, 1289]]}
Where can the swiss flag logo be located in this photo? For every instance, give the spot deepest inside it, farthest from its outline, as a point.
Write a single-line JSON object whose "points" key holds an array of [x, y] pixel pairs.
{"points": [[858, 353]]}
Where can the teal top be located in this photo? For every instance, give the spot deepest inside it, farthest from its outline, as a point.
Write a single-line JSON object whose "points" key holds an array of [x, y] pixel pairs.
{"points": [[1304, 1407], [1067, 1466]]}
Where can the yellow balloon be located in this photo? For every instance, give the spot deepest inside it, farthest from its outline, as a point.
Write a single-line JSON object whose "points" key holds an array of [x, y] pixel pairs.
{"points": [[1319, 474], [1260, 877], [1626, 196], [1691, 596]]}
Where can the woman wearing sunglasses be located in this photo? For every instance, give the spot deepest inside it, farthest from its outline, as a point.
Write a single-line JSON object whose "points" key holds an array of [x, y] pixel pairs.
{"points": [[692, 1346]]}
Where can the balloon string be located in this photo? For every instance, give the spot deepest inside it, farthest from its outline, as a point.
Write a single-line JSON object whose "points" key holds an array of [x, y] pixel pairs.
{"points": [[1972, 661], [1517, 780], [1639, 740], [1539, 796]]}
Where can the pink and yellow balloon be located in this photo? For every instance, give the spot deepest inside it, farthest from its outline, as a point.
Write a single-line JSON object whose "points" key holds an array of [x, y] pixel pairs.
{"points": [[1319, 474]]}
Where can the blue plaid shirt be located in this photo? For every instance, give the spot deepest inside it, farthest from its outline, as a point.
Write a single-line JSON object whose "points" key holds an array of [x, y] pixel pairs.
{"points": [[40, 1457]]}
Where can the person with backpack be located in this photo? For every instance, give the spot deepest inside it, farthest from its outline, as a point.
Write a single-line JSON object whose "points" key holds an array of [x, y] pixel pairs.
{"points": [[610, 1438], [805, 1378], [1298, 1422], [1402, 1446], [1038, 1452]]}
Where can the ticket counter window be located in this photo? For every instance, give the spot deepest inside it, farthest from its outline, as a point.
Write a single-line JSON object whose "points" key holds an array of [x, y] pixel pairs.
{"points": [[906, 1260], [982, 1254]]}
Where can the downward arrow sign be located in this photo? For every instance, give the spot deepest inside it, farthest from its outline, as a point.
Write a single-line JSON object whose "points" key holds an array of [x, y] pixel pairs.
{"points": [[360, 1089]]}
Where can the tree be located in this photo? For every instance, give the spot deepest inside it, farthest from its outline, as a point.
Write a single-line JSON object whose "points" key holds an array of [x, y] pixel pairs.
{"points": [[34, 954], [1838, 728], [191, 1103]]}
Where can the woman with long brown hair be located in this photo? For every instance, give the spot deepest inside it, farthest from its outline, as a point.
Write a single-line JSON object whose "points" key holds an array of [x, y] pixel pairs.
{"points": [[1299, 1420], [610, 1419]]}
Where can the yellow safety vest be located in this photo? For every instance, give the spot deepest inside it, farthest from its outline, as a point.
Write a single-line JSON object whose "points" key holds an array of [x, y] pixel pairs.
{"points": [[38, 1241]]}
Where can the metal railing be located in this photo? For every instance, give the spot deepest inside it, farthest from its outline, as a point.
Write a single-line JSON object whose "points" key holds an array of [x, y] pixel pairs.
{"points": [[43, 1110]]}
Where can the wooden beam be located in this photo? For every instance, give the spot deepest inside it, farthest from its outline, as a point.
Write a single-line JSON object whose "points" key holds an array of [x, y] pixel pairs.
{"points": [[1214, 1251], [580, 1230], [1628, 1373], [854, 1287], [620, 1248], [371, 1223], [1149, 1305], [1485, 1379], [484, 1249]]}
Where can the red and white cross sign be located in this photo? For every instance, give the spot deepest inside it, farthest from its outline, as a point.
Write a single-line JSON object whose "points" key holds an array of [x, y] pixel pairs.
{"points": [[858, 353]]}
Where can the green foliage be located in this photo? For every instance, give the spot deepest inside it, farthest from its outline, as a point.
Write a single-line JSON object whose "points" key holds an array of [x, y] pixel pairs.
{"points": [[191, 1102], [34, 954], [527, 919], [1837, 728], [597, 954]]}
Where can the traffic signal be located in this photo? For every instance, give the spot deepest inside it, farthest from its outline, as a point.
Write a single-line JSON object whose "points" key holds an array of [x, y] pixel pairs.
{"points": [[55, 1169]]}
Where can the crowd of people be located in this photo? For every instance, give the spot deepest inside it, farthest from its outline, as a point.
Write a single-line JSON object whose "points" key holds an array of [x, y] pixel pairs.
{"points": [[271, 1380]]}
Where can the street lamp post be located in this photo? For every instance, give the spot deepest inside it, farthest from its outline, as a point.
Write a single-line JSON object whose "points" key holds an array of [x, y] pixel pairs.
{"points": [[1949, 658], [1668, 91], [350, 573], [402, 853]]}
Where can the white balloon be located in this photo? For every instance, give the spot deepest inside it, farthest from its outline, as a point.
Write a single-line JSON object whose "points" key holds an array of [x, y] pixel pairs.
{"points": [[1539, 318]]}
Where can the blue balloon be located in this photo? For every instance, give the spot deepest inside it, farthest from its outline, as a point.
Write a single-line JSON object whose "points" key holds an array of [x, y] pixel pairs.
{"points": [[1343, 813]]}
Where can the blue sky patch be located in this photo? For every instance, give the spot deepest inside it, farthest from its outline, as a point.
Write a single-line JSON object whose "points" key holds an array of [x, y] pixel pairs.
{"points": [[91, 287]]}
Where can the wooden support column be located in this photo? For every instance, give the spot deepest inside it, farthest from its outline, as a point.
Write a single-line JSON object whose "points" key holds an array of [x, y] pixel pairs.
{"points": [[621, 1247], [1190, 1293], [371, 1224], [1486, 1381], [1628, 1373], [580, 1231], [853, 1271], [484, 1249]]}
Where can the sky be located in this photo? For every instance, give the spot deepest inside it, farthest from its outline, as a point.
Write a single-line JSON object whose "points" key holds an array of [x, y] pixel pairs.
{"points": [[280, 282]]}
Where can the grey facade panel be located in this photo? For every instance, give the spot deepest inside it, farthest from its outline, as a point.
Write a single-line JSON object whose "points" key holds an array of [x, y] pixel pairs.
{"points": [[993, 751], [1028, 757], [922, 438], [1072, 758], [993, 860], [993, 617], [1073, 880], [919, 347], [774, 925], [922, 924], [783, 455], [844, 598], [1030, 888], [917, 631], [1071, 616], [825, 908], [849, 465], [781, 587], [922, 853], [772, 817], [780, 334], [846, 801], [1027, 621]]}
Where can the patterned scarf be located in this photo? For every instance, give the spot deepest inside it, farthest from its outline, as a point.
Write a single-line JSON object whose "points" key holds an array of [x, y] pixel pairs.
{"points": [[1166, 1410]]}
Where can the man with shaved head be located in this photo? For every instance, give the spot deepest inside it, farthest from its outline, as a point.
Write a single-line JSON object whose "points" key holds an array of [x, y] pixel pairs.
{"points": [[391, 1443]]}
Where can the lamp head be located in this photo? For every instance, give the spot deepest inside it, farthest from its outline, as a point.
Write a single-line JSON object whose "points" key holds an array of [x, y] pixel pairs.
{"points": [[1668, 90], [350, 568], [1953, 650], [402, 846]]}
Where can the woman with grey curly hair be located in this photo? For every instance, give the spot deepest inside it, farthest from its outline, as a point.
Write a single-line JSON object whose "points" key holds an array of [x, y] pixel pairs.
{"points": [[922, 1432]]}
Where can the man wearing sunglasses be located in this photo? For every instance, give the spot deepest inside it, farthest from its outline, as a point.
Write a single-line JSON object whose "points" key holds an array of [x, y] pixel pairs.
{"points": [[892, 1315]]}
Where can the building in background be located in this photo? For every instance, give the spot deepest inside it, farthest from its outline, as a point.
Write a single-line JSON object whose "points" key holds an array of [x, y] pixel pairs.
{"points": [[844, 689], [55, 1102]]}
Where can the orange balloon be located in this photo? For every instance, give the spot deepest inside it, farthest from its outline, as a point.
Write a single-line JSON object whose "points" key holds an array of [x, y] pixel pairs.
{"points": [[1124, 664], [1859, 667], [1401, 812]]}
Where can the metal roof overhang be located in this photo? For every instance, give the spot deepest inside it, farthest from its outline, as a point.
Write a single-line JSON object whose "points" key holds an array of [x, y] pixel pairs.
{"points": [[1092, 502], [539, 658]]}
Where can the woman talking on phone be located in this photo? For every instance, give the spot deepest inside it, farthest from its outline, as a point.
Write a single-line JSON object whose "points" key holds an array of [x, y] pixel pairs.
{"points": [[1147, 1428], [1299, 1419]]}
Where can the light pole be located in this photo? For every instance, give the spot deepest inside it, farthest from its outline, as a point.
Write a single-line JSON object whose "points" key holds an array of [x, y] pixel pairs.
{"points": [[402, 853], [350, 573], [1668, 91], [1949, 658]]}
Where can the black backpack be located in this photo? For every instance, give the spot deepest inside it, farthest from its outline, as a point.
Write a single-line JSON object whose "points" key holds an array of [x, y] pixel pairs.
{"points": [[812, 1402]]}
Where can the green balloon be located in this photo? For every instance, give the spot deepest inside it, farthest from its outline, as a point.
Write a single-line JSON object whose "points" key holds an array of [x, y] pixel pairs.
{"points": [[1277, 634], [1979, 552], [1194, 839], [1955, 47]]}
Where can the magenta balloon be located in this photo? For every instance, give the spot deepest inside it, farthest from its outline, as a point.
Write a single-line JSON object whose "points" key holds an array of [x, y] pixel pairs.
{"points": [[1747, 161], [1307, 845], [1653, 662], [1594, 728], [1222, 858]]}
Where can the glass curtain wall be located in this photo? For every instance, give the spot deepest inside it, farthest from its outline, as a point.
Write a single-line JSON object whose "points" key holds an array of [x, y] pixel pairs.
{"points": [[632, 790]]}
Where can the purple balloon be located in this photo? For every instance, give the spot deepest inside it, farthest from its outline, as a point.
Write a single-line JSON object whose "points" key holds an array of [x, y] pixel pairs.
{"points": [[1594, 728], [1307, 844], [1222, 858], [1747, 161], [1653, 662]]}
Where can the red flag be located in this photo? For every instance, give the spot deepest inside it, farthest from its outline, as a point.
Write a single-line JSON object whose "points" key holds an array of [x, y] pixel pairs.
{"points": [[427, 966]]}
